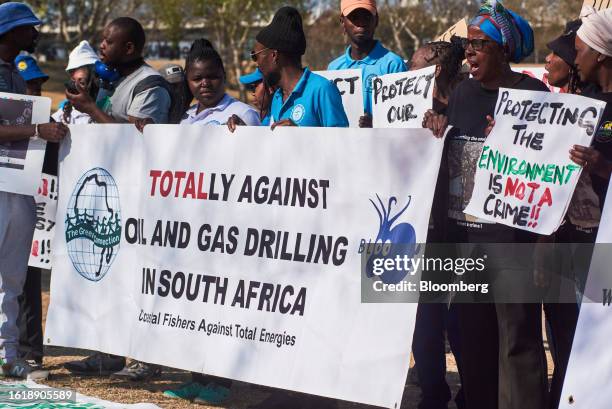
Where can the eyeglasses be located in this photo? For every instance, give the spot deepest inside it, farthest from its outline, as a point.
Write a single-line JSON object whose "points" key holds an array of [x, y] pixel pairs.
{"points": [[254, 54], [477, 44]]}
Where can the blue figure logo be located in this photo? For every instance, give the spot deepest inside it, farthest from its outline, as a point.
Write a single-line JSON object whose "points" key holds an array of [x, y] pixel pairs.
{"points": [[391, 241]]}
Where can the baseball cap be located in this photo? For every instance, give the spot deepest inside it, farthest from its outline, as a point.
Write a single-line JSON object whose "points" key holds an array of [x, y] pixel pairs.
{"points": [[173, 73], [348, 6], [28, 69], [564, 45], [82, 55], [13, 14], [251, 78]]}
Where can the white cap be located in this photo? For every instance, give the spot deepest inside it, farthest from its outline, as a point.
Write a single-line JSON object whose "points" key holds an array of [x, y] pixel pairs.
{"points": [[81, 56]]}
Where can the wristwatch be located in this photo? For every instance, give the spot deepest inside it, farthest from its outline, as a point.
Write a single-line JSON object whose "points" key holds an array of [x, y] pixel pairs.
{"points": [[36, 134]]}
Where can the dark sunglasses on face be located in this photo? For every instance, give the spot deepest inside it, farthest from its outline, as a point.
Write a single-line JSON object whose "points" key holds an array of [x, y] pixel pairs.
{"points": [[477, 44], [255, 53]]}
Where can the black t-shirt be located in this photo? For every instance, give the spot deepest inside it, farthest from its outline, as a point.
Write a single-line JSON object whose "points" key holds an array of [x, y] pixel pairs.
{"points": [[603, 143], [468, 108]]}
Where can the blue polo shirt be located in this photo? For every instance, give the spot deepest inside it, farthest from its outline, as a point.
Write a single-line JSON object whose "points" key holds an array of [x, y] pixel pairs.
{"points": [[313, 102], [379, 62]]}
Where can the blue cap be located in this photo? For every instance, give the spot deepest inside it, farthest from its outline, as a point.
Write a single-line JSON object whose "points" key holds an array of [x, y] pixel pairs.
{"points": [[28, 69], [251, 78], [13, 14]]}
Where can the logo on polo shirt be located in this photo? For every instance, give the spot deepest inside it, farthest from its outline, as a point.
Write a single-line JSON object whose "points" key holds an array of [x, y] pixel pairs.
{"points": [[298, 113], [369, 80], [604, 134]]}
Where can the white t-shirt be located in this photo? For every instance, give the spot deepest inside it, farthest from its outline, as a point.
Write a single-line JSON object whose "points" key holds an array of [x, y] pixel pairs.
{"points": [[76, 117], [220, 114]]}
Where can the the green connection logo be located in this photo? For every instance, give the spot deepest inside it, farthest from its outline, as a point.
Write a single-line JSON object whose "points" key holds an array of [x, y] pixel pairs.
{"points": [[93, 224]]}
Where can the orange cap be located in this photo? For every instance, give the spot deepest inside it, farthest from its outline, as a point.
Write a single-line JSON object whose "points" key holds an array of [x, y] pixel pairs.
{"points": [[347, 6]]}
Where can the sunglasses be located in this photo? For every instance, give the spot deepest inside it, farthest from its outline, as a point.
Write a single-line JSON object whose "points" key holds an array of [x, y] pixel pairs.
{"points": [[254, 54], [477, 44]]}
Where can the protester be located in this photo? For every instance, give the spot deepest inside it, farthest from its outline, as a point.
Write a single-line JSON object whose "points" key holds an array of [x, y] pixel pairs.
{"points": [[594, 65], [434, 317], [260, 92], [303, 98], [140, 96], [206, 79], [502, 361], [580, 224], [32, 74], [261, 95], [139, 93], [17, 33], [359, 19], [30, 301], [81, 68]]}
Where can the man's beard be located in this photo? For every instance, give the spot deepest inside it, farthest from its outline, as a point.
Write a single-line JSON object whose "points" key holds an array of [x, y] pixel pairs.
{"points": [[272, 79]]}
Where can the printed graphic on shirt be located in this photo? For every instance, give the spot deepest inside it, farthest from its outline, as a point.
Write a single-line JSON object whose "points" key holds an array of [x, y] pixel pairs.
{"points": [[584, 210], [298, 113], [14, 112], [368, 82], [604, 134], [463, 155]]}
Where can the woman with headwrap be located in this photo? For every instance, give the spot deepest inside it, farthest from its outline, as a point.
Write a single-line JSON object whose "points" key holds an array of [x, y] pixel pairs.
{"points": [[580, 224], [502, 361], [594, 64]]}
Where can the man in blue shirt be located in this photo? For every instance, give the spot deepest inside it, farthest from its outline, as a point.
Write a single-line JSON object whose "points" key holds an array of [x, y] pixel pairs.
{"points": [[359, 20], [302, 98]]}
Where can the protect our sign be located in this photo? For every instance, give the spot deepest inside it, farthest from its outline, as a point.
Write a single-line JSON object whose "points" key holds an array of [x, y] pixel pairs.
{"points": [[21, 161], [350, 85], [400, 100], [239, 253], [525, 178]]}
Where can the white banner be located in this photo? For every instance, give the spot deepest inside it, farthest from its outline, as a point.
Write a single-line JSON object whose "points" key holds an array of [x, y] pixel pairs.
{"points": [[400, 100], [537, 72], [46, 208], [21, 161], [350, 85], [239, 253], [591, 357], [525, 178]]}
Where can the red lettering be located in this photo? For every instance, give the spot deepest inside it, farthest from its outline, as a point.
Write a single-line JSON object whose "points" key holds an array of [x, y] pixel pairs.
{"points": [[190, 186], [201, 194], [534, 186], [165, 185], [546, 198], [179, 175], [511, 187], [154, 174], [520, 191]]}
